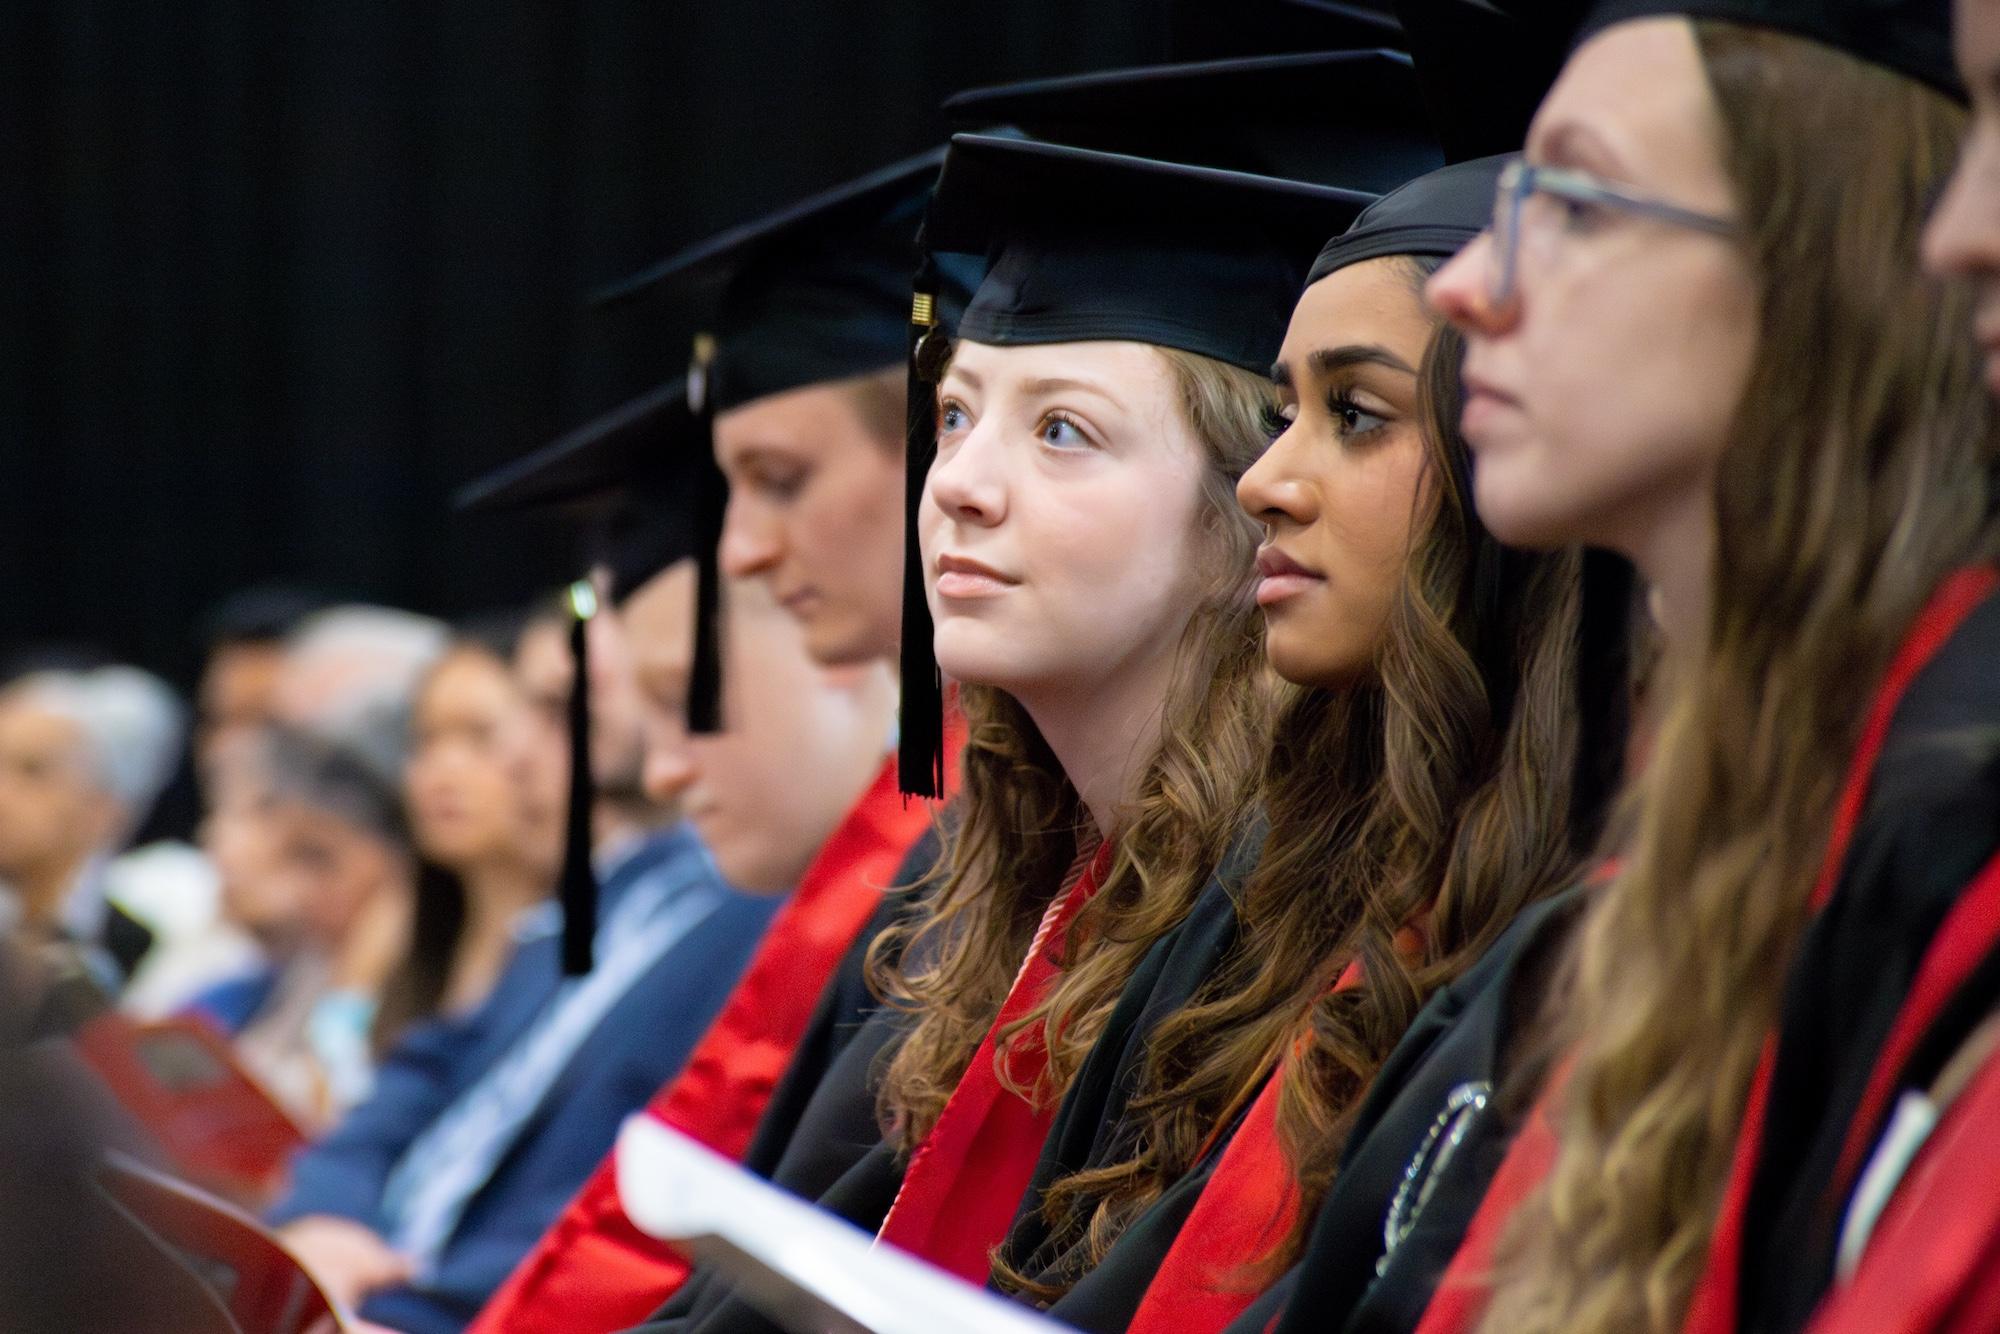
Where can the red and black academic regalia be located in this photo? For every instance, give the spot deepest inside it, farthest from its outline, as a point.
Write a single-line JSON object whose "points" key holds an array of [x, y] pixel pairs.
{"points": [[1426, 1141], [1885, 985], [1887, 982], [952, 1221], [1932, 1264], [1089, 1128], [593, 1271]]}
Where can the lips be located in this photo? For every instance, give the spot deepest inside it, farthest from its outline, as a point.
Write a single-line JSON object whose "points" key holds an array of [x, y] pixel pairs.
{"points": [[962, 578], [1483, 401], [1283, 577]]}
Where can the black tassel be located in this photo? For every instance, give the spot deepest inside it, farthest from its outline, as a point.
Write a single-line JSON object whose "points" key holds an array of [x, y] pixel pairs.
{"points": [[704, 699], [1604, 694], [920, 744], [577, 884]]}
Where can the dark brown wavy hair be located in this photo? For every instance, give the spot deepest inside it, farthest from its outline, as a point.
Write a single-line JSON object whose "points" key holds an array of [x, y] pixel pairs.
{"points": [[951, 966], [1438, 793], [1858, 472]]}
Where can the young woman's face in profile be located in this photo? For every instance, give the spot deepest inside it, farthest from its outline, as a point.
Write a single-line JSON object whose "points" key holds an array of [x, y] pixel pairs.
{"points": [[1337, 489], [469, 734], [1059, 522], [1600, 394]]}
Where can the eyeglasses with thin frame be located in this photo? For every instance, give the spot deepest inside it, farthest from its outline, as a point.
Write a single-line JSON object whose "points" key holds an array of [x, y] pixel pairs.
{"points": [[1519, 181]]}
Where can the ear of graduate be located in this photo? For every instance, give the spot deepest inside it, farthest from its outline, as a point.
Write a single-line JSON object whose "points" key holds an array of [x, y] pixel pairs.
{"points": [[1340, 689]]}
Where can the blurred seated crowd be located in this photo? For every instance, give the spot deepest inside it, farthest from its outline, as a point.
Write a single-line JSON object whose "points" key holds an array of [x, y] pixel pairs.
{"points": [[366, 910]]}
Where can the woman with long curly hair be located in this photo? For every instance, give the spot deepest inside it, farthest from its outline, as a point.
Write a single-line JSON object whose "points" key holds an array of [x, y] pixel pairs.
{"points": [[1418, 793], [1085, 576], [1699, 336]]}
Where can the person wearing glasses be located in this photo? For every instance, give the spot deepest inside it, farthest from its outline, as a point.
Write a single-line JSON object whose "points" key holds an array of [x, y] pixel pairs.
{"points": [[1698, 336]]}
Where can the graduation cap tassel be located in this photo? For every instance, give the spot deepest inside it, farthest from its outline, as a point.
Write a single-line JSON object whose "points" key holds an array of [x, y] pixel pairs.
{"points": [[577, 884], [920, 743], [1603, 687], [704, 701]]}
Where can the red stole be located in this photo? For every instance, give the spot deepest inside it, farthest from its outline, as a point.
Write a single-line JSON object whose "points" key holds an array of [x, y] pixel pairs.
{"points": [[966, 1179], [1713, 1310], [593, 1271], [1933, 1264], [1245, 1212]]}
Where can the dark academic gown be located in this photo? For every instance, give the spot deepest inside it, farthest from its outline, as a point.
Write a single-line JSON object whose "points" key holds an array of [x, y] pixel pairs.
{"points": [[638, 1044], [1896, 967], [844, 1008], [866, 1185], [1090, 1128], [1461, 1038], [1890, 978]]}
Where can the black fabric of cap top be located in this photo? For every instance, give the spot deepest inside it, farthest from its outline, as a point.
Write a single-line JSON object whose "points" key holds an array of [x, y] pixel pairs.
{"points": [[1485, 66], [1910, 37], [814, 292], [1437, 214], [632, 479], [1350, 118], [1083, 245]]}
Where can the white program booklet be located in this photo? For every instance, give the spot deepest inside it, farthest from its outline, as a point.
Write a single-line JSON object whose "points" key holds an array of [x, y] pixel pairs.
{"points": [[811, 1272]]}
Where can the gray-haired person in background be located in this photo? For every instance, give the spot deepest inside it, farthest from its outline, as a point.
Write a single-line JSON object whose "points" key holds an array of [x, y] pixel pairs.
{"points": [[83, 756]]}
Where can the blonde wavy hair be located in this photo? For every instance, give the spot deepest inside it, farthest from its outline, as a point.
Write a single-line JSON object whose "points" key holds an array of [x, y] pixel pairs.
{"points": [[1858, 473], [1019, 816]]}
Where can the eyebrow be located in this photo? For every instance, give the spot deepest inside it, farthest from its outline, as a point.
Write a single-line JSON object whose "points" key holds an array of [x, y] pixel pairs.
{"points": [[1572, 143], [1333, 360], [1057, 384]]}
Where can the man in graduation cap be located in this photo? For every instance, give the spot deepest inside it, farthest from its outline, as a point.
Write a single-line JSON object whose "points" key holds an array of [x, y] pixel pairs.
{"points": [[800, 379], [482, 1125]]}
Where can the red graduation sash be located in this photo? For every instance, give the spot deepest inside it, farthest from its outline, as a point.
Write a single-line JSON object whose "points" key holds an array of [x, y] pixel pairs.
{"points": [[1933, 1265], [1713, 1310], [1465, 1290], [966, 1179], [1245, 1212]]}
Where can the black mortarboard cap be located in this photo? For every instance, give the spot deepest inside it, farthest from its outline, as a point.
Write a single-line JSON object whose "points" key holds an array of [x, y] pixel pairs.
{"points": [[1203, 29], [1485, 65], [816, 291], [646, 497], [1349, 118], [1194, 258], [1911, 37], [1436, 215]]}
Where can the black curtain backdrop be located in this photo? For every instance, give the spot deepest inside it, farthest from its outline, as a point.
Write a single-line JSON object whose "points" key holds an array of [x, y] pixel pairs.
{"points": [[279, 275]]}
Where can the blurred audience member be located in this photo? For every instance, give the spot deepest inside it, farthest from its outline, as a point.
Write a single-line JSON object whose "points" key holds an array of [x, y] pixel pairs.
{"points": [[307, 832], [243, 643], [82, 757], [488, 843], [314, 856], [420, 1204], [349, 675]]}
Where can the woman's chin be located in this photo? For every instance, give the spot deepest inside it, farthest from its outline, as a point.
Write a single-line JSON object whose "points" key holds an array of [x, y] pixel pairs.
{"points": [[1309, 654]]}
